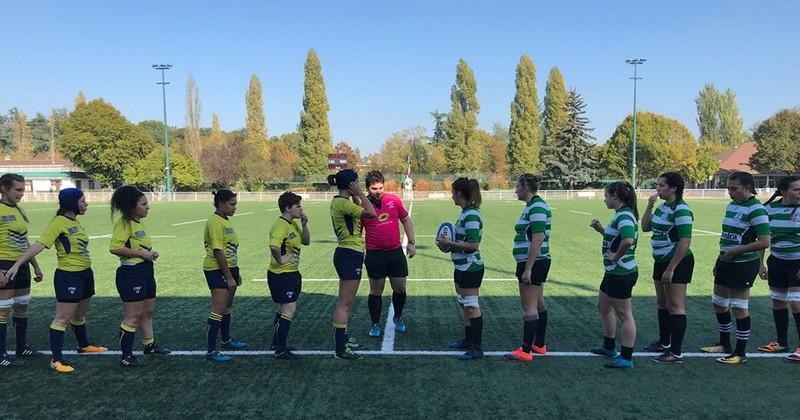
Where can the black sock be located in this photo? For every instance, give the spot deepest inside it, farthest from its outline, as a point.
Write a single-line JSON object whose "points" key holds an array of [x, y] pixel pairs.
{"points": [[468, 335], [781, 317], [541, 330], [57, 341], [3, 333], [127, 336], [79, 328], [725, 325], [477, 331], [225, 327], [275, 328], [626, 352], [340, 337], [375, 303], [530, 324], [399, 302], [663, 327], [609, 343], [742, 335], [677, 329], [21, 330], [797, 322], [283, 332], [212, 332]]}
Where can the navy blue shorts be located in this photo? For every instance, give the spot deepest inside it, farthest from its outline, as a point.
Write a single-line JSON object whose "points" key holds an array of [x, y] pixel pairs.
{"points": [[216, 280], [468, 279], [136, 283], [73, 286], [539, 271], [619, 286], [21, 281], [783, 274], [348, 263], [683, 272], [736, 275], [284, 287]]}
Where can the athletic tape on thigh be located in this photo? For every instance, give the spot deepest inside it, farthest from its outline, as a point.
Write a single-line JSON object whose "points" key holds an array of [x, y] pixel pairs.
{"points": [[460, 299], [471, 301], [794, 297], [22, 300], [6, 303], [739, 303], [776, 295], [720, 301]]}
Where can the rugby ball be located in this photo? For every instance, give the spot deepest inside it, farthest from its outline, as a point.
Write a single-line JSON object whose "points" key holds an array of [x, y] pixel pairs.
{"points": [[446, 231]]}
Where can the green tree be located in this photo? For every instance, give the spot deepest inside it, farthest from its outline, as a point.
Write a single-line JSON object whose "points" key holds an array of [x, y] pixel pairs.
{"points": [[256, 158], [193, 145], [80, 99], [39, 127], [439, 120], [663, 144], [500, 132], [462, 122], [570, 149], [555, 113], [718, 118], [524, 132], [778, 143], [707, 164], [731, 126], [99, 139], [314, 127], [21, 135], [148, 173], [216, 129]]}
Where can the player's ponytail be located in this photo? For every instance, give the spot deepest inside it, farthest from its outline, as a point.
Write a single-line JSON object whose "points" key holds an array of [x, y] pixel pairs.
{"points": [[783, 186], [470, 190], [331, 179], [624, 193]]}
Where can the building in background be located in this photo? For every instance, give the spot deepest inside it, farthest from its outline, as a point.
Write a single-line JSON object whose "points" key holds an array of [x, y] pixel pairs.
{"points": [[43, 176]]}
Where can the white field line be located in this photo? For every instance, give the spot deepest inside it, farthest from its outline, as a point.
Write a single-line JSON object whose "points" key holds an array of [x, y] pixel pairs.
{"points": [[707, 232], [416, 353], [450, 280], [388, 332], [580, 212], [203, 220], [108, 235]]}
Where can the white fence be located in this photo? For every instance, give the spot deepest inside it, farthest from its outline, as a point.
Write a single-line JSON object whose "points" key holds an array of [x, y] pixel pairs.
{"points": [[495, 195]]}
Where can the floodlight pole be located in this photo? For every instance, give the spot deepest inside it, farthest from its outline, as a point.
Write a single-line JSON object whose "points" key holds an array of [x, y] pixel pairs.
{"points": [[167, 171], [635, 62]]}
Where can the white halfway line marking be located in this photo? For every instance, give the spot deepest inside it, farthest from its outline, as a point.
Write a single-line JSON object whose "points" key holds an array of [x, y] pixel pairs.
{"points": [[415, 353], [580, 212], [203, 220]]}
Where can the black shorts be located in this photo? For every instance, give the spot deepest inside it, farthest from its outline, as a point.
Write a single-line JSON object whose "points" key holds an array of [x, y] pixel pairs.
{"points": [[782, 274], [468, 279], [381, 264], [284, 287], [21, 281], [539, 271], [619, 286], [216, 280], [136, 283], [683, 272], [736, 275], [348, 263], [73, 286]]}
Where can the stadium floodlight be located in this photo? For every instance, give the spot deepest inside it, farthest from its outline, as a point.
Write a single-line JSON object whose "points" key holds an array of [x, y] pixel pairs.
{"points": [[167, 171], [635, 62]]}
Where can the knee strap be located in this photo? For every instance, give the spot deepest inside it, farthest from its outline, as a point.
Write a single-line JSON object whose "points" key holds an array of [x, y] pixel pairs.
{"points": [[739, 303], [22, 300], [471, 301], [6, 303], [793, 297], [720, 301], [776, 295], [460, 299]]}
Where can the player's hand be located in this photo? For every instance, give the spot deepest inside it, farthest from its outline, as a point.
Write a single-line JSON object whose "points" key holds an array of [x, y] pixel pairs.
{"points": [[762, 272], [303, 218], [666, 278], [526, 276], [610, 255], [652, 199], [411, 250], [37, 274], [9, 275], [355, 189], [147, 255], [727, 256], [155, 255], [596, 225], [286, 259], [231, 283], [3, 280]]}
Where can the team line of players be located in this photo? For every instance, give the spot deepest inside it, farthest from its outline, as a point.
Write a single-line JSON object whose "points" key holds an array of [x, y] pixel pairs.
{"points": [[748, 228]]}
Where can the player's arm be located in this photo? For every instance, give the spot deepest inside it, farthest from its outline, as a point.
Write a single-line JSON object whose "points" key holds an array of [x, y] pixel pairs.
{"points": [[118, 239], [305, 235], [408, 228], [37, 270], [648, 213], [281, 259], [368, 209]]}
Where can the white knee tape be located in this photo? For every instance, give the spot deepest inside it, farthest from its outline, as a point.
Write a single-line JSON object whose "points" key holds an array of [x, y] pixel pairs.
{"points": [[720, 301], [22, 300], [776, 295], [471, 301], [460, 299], [739, 303], [6, 303], [793, 297]]}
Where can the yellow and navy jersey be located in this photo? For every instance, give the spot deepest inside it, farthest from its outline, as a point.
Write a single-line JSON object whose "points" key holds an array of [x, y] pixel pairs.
{"points": [[346, 218], [130, 234], [72, 243], [285, 236], [220, 235], [13, 232]]}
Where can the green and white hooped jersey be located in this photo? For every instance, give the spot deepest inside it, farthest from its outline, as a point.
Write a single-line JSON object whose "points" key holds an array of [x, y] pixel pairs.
{"points": [[622, 226], [742, 224], [469, 228], [670, 225], [784, 225], [536, 218]]}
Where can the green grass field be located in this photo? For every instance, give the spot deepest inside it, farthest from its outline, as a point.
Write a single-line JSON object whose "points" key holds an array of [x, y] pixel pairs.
{"points": [[392, 385]]}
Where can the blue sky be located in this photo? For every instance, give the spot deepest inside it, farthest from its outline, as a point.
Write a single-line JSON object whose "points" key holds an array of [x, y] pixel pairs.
{"points": [[387, 64]]}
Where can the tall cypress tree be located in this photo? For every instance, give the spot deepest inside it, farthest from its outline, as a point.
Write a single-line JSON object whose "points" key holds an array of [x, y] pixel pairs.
{"points": [[314, 125], [256, 126], [707, 102], [524, 132], [571, 148], [555, 104], [216, 130], [462, 121]]}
